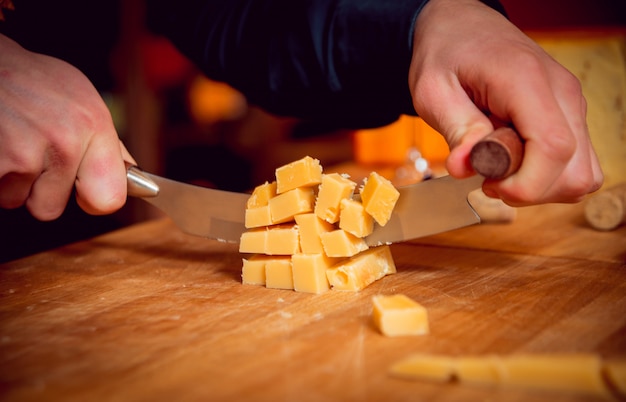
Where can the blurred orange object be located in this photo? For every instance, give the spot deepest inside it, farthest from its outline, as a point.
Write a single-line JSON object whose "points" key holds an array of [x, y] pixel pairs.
{"points": [[212, 101], [390, 145]]}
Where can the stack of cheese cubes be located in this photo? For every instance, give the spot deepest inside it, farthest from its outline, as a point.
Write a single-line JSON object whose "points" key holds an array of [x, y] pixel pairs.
{"points": [[306, 231]]}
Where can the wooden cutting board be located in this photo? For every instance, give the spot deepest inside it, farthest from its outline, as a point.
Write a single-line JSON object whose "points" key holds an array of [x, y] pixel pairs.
{"points": [[148, 313]]}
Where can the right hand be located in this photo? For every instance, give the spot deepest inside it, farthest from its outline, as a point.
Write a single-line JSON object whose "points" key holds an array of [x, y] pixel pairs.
{"points": [[55, 133]]}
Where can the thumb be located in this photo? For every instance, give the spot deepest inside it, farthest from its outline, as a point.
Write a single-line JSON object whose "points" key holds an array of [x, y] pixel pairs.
{"points": [[445, 106]]}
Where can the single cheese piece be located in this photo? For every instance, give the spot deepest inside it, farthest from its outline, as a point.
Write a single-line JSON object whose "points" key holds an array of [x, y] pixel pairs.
{"points": [[282, 240], [354, 220], [286, 205], [253, 271], [339, 243], [309, 272], [257, 217], [559, 372], [379, 197], [278, 273], [305, 172], [362, 270], [311, 228], [480, 370], [253, 241], [333, 189], [398, 315], [615, 373], [261, 195], [424, 367]]}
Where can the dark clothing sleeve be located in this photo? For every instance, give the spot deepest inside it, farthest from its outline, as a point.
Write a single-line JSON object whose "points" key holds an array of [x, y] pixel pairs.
{"points": [[344, 61]]}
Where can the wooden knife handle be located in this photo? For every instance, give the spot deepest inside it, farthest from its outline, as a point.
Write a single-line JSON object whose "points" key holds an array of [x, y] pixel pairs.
{"points": [[498, 155]]}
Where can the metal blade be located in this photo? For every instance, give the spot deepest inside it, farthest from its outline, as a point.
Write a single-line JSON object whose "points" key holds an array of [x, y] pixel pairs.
{"points": [[429, 207], [199, 211]]}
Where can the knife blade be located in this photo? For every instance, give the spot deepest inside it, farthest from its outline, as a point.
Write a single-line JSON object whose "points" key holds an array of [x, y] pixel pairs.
{"points": [[198, 211]]}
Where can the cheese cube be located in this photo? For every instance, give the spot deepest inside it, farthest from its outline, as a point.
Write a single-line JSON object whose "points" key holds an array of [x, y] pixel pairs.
{"points": [[286, 205], [332, 190], [354, 220], [339, 243], [311, 227], [379, 197], [257, 217], [557, 372], [305, 172], [427, 367], [362, 270], [398, 315], [309, 272], [278, 273], [282, 240], [253, 241], [261, 195], [253, 271]]}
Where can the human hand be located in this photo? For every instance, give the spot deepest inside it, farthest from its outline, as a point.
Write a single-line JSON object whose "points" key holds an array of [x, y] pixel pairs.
{"points": [[471, 71], [55, 133]]}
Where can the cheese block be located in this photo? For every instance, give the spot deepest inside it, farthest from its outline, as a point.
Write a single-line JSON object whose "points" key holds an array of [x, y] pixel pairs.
{"points": [[261, 195], [379, 197], [361, 270], [253, 271], [480, 370], [580, 373], [258, 217], [339, 243], [305, 172], [282, 240], [278, 273], [398, 315], [311, 228], [253, 241], [309, 272], [286, 205], [354, 220], [333, 189], [424, 367]]}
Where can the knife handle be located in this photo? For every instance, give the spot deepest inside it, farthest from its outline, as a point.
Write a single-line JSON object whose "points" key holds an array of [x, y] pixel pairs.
{"points": [[499, 154]]}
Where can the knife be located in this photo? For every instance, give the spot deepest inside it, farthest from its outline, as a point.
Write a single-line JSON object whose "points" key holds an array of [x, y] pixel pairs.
{"points": [[424, 208]]}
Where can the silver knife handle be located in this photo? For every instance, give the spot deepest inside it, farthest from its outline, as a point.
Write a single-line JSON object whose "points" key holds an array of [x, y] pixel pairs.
{"points": [[139, 184]]}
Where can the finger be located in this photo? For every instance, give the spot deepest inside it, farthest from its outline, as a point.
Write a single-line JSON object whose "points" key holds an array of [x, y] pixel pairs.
{"points": [[14, 189], [101, 179], [445, 105]]}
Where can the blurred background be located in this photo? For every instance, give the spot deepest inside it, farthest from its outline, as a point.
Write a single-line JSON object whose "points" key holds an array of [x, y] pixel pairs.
{"points": [[183, 126]]}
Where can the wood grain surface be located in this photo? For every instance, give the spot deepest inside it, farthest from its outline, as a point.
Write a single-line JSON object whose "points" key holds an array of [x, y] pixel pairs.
{"points": [[151, 314]]}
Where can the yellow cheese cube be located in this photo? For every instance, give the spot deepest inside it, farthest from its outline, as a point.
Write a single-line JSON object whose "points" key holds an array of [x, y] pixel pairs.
{"points": [[558, 372], [253, 241], [261, 195], [482, 370], [257, 217], [339, 243], [278, 273], [615, 372], [398, 315], [332, 190], [282, 240], [361, 270], [309, 272], [379, 197], [305, 172], [354, 220], [286, 205], [427, 367], [253, 271], [311, 227]]}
